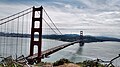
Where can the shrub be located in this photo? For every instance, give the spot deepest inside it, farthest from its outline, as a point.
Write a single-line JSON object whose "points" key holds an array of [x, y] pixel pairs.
{"points": [[61, 62]]}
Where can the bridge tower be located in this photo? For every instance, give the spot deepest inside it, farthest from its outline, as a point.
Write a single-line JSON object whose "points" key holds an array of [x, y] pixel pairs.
{"points": [[36, 30], [81, 43]]}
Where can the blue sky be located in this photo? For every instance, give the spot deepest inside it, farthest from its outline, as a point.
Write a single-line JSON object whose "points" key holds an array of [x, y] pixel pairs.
{"points": [[92, 16]]}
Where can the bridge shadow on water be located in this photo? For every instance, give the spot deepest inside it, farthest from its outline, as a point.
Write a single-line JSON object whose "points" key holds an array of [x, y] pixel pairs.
{"points": [[77, 55], [79, 51]]}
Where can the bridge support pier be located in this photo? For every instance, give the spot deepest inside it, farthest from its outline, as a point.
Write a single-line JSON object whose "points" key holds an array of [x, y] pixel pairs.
{"points": [[36, 30]]}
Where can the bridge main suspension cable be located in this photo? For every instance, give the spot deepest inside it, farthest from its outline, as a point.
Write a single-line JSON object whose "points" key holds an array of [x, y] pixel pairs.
{"points": [[50, 26], [15, 14], [15, 17], [52, 22]]}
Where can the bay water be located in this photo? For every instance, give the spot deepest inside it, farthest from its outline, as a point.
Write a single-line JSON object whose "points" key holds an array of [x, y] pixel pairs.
{"points": [[90, 51]]}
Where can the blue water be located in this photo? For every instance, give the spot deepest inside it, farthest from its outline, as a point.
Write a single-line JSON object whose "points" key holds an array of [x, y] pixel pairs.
{"points": [[90, 51], [75, 53]]}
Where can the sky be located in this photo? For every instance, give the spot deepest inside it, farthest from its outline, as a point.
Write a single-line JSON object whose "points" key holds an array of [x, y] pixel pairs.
{"points": [[94, 17]]}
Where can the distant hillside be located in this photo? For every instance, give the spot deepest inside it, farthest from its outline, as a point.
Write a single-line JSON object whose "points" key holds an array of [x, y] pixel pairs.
{"points": [[65, 37], [74, 37]]}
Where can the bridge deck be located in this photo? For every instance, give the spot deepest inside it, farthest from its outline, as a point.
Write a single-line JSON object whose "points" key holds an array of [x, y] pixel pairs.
{"points": [[53, 50]]}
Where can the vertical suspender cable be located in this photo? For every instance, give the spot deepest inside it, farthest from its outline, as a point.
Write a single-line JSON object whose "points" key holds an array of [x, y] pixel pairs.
{"points": [[11, 38], [17, 38], [27, 31], [22, 33], [29, 28], [26, 40], [0, 41], [4, 40], [1, 45], [7, 39]]}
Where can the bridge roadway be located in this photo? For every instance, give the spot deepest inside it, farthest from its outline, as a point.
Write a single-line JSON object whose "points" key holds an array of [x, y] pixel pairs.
{"points": [[47, 52]]}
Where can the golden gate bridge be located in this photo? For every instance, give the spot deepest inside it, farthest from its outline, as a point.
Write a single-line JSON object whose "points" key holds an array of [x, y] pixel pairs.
{"points": [[18, 25]]}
